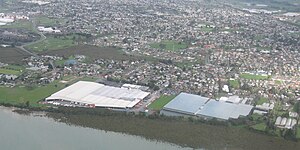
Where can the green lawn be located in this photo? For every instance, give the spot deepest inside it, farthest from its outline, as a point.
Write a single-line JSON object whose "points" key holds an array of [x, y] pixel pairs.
{"points": [[234, 83], [261, 101], [12, 70], [45, 21], [20, 24], [9, 71], [161, 102], [169, 45], [259, 127], [19, 95], [52, 43], [35, 93], [254, 77]]}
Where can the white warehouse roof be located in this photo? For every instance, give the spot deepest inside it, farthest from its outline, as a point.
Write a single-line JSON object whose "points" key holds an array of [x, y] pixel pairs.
{"points": [[100, 95]]}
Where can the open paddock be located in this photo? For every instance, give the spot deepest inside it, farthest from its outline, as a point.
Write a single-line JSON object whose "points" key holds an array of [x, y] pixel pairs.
{"points": [[12, 55], [93, 52]]}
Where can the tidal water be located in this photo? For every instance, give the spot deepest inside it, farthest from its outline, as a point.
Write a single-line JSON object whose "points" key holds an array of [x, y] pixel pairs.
{"points": [[29, 132]]}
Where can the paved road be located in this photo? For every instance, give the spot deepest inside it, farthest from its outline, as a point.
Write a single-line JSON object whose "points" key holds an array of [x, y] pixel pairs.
{"points": [[22, 47]]}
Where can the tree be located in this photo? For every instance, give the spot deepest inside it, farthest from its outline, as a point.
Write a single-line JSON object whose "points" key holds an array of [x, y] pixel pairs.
{"points": [[297, 107], [27, 103]]}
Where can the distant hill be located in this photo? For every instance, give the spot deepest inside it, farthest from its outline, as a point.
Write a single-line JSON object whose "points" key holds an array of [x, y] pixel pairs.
{"points": [[287, 5]]}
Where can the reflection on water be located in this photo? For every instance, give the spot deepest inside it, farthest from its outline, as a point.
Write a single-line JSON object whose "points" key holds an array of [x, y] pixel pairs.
{"points": [[41, 133]]}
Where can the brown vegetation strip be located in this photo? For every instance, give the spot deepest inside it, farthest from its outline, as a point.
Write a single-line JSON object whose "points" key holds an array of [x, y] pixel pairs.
{"points": [[184, 133]]}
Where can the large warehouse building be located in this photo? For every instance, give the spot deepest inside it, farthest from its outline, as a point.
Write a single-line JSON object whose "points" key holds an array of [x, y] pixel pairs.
{"points": [[197, 106], [99, 95]]}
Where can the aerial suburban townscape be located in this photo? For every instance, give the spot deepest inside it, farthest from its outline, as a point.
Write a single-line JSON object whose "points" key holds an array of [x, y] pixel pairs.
{"points": [[235, 63]]}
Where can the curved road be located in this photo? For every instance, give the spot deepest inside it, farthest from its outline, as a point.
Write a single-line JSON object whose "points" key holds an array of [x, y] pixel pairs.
{"points": [[43, 37]]}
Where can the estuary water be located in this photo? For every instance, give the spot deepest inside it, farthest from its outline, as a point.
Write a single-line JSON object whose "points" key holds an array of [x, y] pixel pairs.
{"points": [[29, 132]]}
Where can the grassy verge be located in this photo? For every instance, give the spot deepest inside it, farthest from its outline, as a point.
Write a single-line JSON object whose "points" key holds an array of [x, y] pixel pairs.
{"points": [[161, 102], [298, 133]]}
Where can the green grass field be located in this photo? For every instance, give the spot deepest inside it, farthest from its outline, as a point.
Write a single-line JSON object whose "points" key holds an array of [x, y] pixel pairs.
{"points": [[254, 77], [9, 72], [261, 101], [22, 94], [21, 24], [169, 45], [161, 102], [259, 127], [12, 70], [45, 21], [52, 43], [234, 83]]}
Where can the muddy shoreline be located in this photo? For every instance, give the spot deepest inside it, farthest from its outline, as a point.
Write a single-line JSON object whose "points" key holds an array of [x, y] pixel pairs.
{"points": [[176, 131]]}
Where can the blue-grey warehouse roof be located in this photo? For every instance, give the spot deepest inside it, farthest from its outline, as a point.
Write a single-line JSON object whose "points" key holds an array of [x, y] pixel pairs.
{"points": [[186, 103], [224, 110], [201, 106]]}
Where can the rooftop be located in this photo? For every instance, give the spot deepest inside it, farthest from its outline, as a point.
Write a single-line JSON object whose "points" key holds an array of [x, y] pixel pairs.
{"points": [[203, 106], [100, 95], [186, 103]]}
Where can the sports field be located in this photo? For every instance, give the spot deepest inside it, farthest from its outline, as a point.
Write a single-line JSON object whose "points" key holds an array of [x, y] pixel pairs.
{"points": [[52, 43], [161, 102], [169, 45]]}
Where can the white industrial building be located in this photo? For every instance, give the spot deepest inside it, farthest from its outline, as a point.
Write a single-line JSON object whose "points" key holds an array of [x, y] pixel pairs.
{"points": [[99, 95], [48, 29]]}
